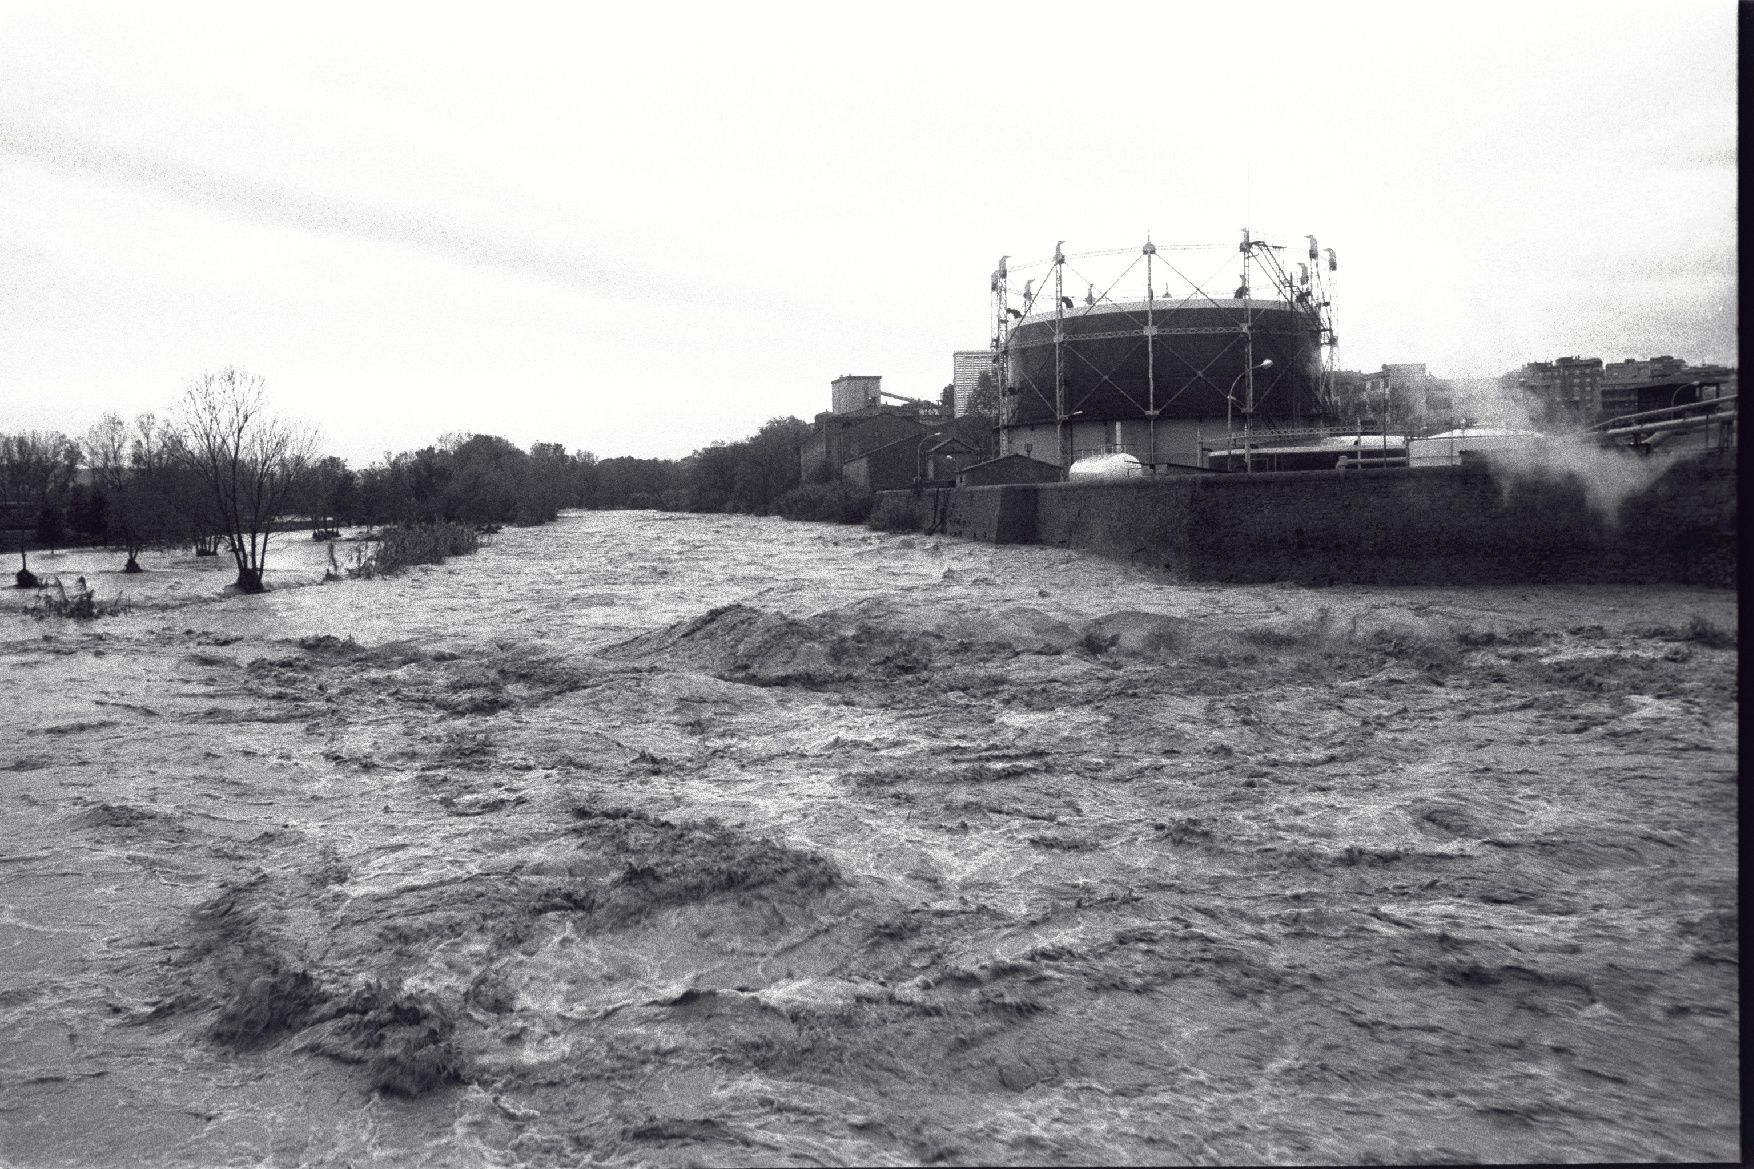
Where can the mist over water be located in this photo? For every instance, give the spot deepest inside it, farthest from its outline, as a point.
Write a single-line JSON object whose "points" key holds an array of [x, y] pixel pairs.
{"points": [[1609, 475]]}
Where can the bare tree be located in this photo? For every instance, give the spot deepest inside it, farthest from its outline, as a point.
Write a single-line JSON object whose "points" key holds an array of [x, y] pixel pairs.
{"points": [[249, 461]]}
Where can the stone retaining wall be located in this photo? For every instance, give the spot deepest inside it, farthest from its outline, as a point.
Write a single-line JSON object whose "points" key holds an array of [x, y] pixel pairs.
{"points": [[1468, 524]]}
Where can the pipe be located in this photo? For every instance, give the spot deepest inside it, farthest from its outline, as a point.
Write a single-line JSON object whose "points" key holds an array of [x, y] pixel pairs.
{"points": [[1699, 423]]}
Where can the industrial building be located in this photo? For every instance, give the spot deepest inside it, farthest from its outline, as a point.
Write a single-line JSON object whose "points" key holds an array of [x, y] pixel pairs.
{"points": [[837, 439], [933, 459], [855, 392], [1007, 469], [880, 446], [1621, 379], [1157, 364]]}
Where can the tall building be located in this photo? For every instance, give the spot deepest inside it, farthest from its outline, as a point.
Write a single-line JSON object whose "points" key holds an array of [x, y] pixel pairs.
{"points": [[967, 366], [855, 392], [1580, 386], [1564, 392]]}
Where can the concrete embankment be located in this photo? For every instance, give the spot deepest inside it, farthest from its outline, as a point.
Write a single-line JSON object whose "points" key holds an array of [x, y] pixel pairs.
{"points": [[1465, 524]]}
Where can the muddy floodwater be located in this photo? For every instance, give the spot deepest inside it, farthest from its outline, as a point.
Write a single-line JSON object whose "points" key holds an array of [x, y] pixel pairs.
{"points": [[642, 839]]}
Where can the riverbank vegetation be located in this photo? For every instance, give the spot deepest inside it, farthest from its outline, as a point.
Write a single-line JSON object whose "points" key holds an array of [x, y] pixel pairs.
{"points": [[758, 475], [400, 548], [220, 472]]}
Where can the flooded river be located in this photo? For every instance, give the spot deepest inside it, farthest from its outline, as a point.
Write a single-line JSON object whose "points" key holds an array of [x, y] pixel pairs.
{"points": [[674, 839]]}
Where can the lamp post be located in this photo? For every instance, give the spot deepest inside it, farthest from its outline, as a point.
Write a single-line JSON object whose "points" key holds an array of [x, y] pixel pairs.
{"points": [[1248, 410], [920, 458]]}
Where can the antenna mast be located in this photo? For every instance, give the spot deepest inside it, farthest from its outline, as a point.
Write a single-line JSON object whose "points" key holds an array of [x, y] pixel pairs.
{"points": [[1059, 343], [1001, 344]]}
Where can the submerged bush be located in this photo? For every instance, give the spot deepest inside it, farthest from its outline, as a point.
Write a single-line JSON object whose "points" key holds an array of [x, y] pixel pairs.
{"points": [[1698, 629], [1709, 633], [404, 1038], [838, 502], [81, 605], [400, 548], [267, 999]]}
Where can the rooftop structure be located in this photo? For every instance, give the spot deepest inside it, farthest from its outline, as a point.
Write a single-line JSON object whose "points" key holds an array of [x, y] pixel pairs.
{"points": [[852, 392]]}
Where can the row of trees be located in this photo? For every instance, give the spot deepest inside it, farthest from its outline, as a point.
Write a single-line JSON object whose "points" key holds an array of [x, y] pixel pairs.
{"points": [[758, 475], [750, 475], [222, 470], [477, 479]]}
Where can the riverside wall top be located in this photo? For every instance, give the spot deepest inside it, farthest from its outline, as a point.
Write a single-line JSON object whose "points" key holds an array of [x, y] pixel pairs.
{"points": [[1445, 525]]}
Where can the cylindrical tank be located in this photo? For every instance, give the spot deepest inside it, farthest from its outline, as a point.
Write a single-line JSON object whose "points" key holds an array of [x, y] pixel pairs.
{"points": [[1198, 363]]}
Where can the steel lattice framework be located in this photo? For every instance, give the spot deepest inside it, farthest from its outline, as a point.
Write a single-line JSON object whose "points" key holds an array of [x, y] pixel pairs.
{"points": [[1155, 342]]}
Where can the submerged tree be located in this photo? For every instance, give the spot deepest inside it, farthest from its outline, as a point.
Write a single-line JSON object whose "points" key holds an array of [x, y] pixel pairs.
{"points": [[131, 469], [248, 461]]}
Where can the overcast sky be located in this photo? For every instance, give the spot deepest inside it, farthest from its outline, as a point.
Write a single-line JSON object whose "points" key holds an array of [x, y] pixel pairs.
{"points": [[638, 230]]}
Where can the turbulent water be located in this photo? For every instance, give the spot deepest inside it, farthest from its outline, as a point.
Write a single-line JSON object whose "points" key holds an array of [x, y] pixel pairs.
{"points": [[649, 839]]}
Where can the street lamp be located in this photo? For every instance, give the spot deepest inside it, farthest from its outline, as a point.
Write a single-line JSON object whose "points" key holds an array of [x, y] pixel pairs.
{"points": [[919, 458], [1248, 410]]}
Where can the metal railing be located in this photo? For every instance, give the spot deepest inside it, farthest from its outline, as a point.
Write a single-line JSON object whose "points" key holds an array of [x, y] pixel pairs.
{"points": [[1636, 428]]}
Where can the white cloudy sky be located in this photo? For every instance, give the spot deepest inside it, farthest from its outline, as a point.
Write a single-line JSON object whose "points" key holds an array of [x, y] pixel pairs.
{"points": [[637, 231]]}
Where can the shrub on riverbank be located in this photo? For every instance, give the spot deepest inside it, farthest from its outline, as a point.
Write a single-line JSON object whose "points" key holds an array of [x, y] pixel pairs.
{"points": [[401, 548], [839, 502]]}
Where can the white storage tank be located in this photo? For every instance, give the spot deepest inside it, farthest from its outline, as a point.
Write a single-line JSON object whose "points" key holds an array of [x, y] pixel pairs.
{"points": [[1116, 465]]}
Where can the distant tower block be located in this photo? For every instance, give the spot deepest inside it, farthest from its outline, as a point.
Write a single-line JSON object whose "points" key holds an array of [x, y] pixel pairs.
{"points": [[967, 367], [854, 392]]}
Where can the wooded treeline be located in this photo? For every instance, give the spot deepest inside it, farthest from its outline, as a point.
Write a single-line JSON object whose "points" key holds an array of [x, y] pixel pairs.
{"points": [[136, 483], [220, 470], [223, 470]]}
